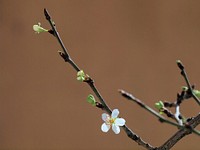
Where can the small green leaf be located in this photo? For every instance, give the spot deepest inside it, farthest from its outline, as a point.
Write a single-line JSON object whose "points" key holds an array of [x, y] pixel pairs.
{"points": [[91, 99], [197, 93], [38, 29], [159, 105], [80, 76]]}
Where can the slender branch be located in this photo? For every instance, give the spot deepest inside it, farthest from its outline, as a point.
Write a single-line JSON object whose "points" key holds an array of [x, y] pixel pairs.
{"points": [[149, 109], [181, 133], [65, 55], [172, 141], [184, 74], [55, 33]]}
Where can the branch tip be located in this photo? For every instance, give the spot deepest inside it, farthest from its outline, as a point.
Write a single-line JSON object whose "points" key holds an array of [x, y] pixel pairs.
{"points": [[180, 65], [48, 17]]}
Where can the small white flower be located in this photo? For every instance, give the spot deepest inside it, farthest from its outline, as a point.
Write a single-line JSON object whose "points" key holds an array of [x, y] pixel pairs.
{"points": [[38, 29], [113, 121]]}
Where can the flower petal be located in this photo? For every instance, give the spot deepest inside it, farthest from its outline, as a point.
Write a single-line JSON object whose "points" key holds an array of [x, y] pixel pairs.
{"points": [[120, 122], [105, 117], [115, 128], [105, 127], [115, 113]]}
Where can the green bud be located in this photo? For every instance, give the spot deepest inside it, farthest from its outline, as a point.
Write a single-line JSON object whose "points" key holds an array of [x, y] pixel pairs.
{"points": [[184, 88], [197, 93], [80, 76], [159, 105], [38, 29], [91, 99]]}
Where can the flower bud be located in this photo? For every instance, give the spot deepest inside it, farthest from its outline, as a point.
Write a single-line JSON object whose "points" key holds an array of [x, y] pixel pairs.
{"points": [[91, 99], [80, 76], [38, 29], [159, 105], [184, 88]]}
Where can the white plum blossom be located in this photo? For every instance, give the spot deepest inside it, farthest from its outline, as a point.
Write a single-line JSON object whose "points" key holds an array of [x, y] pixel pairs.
{"points": [[112, 121]]}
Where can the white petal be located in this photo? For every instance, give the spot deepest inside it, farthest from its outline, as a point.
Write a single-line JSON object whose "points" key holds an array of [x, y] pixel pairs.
{"points": [[105, 117], [105, 127], [120, 122], [115, 113], [116, 129]]}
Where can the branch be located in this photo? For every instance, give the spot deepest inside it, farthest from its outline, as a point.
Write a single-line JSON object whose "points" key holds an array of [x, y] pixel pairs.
{"points": [[184, 74], [184, 130], [149, 109], [65, 55], [181, 133], [153, 112]]}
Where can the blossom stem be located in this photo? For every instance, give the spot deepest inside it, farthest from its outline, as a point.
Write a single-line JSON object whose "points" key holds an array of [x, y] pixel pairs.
{"points": [[66, 57]]}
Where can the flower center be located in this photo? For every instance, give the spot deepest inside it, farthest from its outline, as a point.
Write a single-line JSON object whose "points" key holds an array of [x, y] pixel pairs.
{"points": [[112, 120]]}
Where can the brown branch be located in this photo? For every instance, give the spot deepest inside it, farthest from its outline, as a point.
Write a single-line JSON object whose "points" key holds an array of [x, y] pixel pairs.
{"points": [[65, 55], [167, 145], [149, 109], [181, 133], [184, 74]]}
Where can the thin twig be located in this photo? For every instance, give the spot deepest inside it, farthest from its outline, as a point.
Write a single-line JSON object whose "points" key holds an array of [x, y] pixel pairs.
{"points": [[149, 109], [184, 74], [65, 55], [172, 141]]}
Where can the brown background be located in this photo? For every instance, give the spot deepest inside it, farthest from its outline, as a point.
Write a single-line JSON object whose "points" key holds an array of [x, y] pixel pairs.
{"points": [[130, 44]]}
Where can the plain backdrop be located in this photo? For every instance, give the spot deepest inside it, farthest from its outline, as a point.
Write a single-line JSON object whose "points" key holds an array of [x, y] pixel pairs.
{"points": [[122, 44]]}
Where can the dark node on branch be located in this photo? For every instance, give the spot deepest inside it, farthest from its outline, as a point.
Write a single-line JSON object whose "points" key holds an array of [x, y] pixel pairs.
{"points": [[48, 17], [64, 56], [193, 86], [180, 98], [189, 119], [182, 94], [161, 120], [134, 137], [169, 104], [180, 117], [51, 32], [89, 80], [168, 113], [99, 105]]}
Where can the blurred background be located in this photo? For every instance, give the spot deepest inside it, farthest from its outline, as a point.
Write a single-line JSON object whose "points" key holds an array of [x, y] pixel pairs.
{"points": [[131, 45]]}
